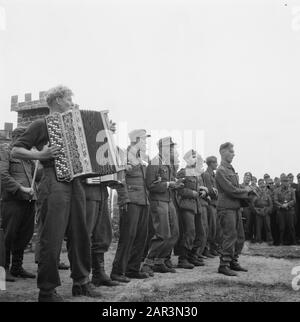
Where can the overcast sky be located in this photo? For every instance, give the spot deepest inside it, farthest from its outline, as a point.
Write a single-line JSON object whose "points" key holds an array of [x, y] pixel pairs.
{"points": [[227, 69]]}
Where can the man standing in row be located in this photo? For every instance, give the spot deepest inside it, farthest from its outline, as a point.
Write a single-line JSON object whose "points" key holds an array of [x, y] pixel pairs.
{"points": [[248, 213], [134, 213], [161, 182], [209, 178], [229, 210], [285, 200], [263, 206], [17, 208]]}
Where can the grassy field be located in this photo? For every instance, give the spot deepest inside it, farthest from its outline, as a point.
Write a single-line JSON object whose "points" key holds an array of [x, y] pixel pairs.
{"points": [[269, 279]]}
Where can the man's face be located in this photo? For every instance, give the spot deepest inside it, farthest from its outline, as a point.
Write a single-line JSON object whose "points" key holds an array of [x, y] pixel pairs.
{"points": [[214, 165], [191, 161], [65, 104], [228, 154], [142, 144], [261, 184], [170, 154], [285, 182], [291, 179], [277, 182], [254, 181], [247, 179], [298, 179]]}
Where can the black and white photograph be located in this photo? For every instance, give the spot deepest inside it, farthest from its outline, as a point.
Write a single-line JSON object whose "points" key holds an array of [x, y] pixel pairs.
{"points": [[149, 154]]}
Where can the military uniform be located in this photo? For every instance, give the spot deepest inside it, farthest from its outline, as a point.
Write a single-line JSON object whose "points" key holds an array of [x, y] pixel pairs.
{"points": [[99, 226], [229, 209], [133, 220], [249, 218], [215, 234], [17, 208], [263, 207], [285, 216], [162, 211], [194, 229]]}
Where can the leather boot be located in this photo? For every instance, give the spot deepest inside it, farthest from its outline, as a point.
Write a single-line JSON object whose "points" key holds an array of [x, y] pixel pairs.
{"points": [[17, 270], [184, 263], [100, 278]]}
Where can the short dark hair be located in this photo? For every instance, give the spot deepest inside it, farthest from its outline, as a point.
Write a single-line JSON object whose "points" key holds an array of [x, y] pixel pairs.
{"points": [[225, 146], [211, 159], [261, 180]]}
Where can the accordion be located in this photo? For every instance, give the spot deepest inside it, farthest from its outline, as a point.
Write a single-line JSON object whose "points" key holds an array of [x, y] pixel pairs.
{"points": [[86, 144]]}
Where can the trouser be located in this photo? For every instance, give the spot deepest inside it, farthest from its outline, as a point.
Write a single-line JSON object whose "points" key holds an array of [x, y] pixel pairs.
{"points": [[99, 225], [286, 224], [233, 236], [63, 212], [151, 234], [187, 233], [18, 226], [274, 226], [263, 223], [132, 241], [166, 231], [202, 231], [249, 216], [214, 228]]}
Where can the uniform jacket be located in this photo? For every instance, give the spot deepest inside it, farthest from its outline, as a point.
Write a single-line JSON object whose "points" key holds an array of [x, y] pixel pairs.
{"points": [[263, 204], [230, 192], [134, 189], [14, 174], [157, 177], [186, 197], [209, 179], [285, 195]]}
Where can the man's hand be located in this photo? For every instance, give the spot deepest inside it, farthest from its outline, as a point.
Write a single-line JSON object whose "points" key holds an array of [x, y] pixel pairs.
{"points": [[203, 188], [176, 184], [216, 192], [49, 152], [28, 191]]}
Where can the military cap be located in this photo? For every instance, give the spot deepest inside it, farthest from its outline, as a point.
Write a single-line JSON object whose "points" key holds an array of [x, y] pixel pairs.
{"points": [[290, 175], [136, 134], [211, 159], [166, 141], [266, 176], [284, 177]]}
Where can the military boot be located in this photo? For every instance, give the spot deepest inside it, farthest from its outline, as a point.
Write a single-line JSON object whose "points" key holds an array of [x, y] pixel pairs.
{"points": [[184, 263], [100, 278]]}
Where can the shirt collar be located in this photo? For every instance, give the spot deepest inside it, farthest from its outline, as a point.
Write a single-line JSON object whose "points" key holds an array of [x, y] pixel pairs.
{"points": [[226, 164]]}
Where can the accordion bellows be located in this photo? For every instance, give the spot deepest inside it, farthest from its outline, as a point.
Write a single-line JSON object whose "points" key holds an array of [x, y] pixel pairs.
{"points": [[86, 144]]}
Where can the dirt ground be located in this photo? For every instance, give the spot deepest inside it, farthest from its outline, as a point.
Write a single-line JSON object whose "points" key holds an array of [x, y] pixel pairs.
{"points": [[269, 280]]}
